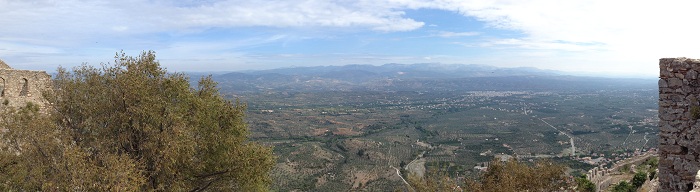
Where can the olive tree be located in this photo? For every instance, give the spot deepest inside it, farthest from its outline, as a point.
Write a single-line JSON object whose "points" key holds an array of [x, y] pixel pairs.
{"points": [[131, 125]]}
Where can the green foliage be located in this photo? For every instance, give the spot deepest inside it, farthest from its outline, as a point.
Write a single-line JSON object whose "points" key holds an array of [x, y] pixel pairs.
{"points": [[434, 181], [653, 163], [623, 186], [625, 168], [427, 132], [131, 126], [361, 152], [584, 185], [515, 176], [502, 176], [695, 112], [39, 156], [639, 179]]}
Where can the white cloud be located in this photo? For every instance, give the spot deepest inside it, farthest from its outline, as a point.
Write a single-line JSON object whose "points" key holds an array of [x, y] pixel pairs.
{"points": [[623, 33], [456, 34], [624, 36], [39, 17]]}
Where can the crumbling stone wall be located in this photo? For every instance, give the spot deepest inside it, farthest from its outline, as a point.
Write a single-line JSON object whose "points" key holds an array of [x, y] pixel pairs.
{"points": [[679, 125], [600, 177], [18, 87]]}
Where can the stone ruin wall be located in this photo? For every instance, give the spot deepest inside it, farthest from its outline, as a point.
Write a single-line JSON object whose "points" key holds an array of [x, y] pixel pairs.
{"points": [[679, 123], [18, 87], [599, 176]]}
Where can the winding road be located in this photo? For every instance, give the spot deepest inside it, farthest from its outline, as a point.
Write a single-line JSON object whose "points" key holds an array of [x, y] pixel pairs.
{"points": [[398, 172], [571, 139]]}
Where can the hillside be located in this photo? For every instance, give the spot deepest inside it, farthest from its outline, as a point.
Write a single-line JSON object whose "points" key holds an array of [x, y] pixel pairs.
{"points": [[337, 127]]}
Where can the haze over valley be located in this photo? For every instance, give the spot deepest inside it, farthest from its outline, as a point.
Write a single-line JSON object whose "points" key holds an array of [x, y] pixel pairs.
{"points": [[348, 127]]}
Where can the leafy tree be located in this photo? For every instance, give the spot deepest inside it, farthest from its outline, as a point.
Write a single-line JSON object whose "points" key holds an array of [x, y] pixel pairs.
{"points": [[433, 181], [584, 185], [515, 176], [38, 156], [502, 176], [623, 186], [131, 126], [639, 179], [653, 163]]}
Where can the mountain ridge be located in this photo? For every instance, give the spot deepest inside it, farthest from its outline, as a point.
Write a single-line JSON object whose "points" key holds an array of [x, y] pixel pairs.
{"points": [[415, 77]]}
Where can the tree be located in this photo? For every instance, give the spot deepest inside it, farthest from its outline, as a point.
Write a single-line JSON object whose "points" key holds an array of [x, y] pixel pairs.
{"points": [[584, 185], [512, 175], [433, 181], [361, 152], [502, 176], [137, 127], [639, 179], [623, 186], [38, 156]]}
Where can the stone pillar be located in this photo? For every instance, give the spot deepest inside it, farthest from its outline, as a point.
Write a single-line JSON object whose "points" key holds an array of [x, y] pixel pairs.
{"points": [[679, 123]]}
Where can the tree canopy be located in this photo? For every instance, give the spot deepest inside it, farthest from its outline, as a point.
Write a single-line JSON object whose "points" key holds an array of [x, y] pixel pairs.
{"points": [[131, 126], [510, 175]]}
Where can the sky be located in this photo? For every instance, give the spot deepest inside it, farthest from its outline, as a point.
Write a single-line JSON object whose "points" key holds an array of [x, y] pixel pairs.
{"points": [[606, 37]]}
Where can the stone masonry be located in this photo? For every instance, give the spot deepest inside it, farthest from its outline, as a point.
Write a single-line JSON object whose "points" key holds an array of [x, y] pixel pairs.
{"points": [[18, 87], [679, 123]]}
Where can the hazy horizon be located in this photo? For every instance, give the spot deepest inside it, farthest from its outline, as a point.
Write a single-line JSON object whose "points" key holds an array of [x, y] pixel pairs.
{"points": [[573, 73]]}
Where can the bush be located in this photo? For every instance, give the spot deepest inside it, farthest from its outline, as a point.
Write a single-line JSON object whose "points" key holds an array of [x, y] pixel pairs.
{"points": [[502, 176], [639, 179], [131, 126], [584, 185], [623, 186]]}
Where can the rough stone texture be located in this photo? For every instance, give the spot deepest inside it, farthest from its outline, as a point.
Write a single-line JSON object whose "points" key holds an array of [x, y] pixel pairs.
{"points": [[679, 126], [4, 65], [18, 87]]}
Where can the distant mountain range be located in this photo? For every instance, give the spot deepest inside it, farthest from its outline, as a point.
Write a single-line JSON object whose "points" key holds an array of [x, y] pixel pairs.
{"points": [[415, 77], [423, 70]]}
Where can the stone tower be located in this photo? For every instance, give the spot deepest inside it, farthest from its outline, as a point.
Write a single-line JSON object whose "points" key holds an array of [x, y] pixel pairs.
{"points": [[679, 123], [18, 87]]}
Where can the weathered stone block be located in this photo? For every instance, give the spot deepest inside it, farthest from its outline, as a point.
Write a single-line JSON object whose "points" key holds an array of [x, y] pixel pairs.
{"points": [[672, 149], [666, 115], [664, 96], [694, 62], [674, 82], [692, 74], [677, 98], [669, 128], [662, 83], [665, 90], [687, 89], [690, 157], [665, 73], [665, 103], [677, 63]]}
